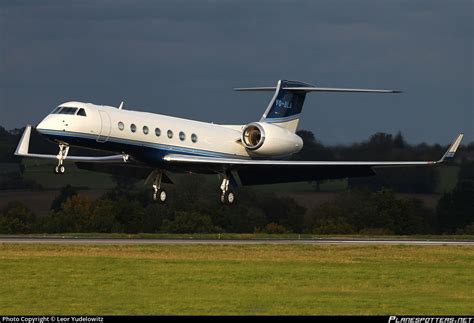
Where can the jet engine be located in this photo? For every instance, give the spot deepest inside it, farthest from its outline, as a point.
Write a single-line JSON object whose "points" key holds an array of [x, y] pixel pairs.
{"points": [[262, 139]]}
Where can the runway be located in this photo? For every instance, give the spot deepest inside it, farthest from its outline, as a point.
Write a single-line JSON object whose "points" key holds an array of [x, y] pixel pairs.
{"points": [[124, 241]]}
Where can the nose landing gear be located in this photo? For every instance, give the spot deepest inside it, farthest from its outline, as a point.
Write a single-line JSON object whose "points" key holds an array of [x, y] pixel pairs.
{"points": [[63, 151]]}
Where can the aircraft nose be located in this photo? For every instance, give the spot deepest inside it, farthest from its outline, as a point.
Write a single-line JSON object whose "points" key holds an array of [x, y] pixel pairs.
{"points": [[42, 126]]}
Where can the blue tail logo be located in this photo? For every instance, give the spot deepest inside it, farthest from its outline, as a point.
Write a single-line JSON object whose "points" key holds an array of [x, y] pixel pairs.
{"points": [[286, 105]]}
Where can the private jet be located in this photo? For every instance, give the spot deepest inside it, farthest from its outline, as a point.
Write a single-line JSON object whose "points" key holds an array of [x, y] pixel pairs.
{"points": [[152, 146]]}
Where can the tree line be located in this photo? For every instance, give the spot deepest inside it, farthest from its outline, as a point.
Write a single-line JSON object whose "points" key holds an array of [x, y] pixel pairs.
{"points": [[193, 209], [369, 205]]}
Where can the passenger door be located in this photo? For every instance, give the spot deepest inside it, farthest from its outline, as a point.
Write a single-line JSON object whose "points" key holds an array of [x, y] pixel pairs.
{"points": [[105, 127]]}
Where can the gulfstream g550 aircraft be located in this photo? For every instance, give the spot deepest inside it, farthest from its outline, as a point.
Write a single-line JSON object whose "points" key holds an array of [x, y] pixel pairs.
{"points": [[153, 145]]}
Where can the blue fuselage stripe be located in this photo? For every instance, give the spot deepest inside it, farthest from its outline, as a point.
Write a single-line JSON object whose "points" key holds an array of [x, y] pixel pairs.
{"points": [[145, 151]]}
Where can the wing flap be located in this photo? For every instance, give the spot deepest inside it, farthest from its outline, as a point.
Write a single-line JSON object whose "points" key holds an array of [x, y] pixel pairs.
{"points": [[177, 158], [254, 171]]}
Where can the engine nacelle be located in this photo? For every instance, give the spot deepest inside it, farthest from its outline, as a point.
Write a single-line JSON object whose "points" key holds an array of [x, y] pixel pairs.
{"points": [[268, 140]]}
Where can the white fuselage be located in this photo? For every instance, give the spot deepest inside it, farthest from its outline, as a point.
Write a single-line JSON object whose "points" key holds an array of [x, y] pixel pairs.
{"points": [[112, 129]]}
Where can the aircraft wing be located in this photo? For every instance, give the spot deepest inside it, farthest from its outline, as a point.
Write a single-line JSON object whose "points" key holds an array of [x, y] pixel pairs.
{"points": [[254, 171], [22, 150]]}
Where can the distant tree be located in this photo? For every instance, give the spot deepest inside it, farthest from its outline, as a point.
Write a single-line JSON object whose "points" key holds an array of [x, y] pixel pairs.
{"points": [[15, 218], [130, 215], [283, 211], [455, 209], [76, 212], [189, 222], [64, 194], [399, 141], [466, 172], [364, 211], [240, 218], [274, 228], [380, 143], [101, 218], [306, 135], [312, 149]]}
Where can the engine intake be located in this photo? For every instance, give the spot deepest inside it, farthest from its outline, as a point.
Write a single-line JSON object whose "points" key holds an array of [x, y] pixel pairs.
{"points": [[263, 139], [253, 136]]}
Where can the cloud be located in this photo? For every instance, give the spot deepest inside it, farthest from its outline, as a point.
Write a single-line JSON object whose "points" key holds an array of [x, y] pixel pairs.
{"points": [[184, 57]]}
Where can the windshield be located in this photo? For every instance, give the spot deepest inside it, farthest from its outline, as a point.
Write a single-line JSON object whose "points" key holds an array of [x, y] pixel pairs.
{"points": [[64, 110]]}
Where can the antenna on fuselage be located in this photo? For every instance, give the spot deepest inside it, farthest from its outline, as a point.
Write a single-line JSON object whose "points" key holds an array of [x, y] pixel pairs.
{"points": [[121, 106]]}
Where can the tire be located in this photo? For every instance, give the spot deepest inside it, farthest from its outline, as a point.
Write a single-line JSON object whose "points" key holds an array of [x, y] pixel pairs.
{"points": [[162, 195], [62, 169], [228, 198]]}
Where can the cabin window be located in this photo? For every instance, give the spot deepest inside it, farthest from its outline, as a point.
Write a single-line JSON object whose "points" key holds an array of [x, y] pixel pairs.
{"points": [[121, 126], [81, 112], [133, 127], [194, 138], [170, 134], [157, 132], [145, 130], [182, 136]]}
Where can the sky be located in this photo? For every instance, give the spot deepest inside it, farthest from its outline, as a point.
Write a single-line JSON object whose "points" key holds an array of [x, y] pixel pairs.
{"points": [[183, 58]]}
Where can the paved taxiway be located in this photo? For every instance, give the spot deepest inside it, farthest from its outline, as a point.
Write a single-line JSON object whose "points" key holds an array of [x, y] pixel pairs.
{"points": [[105, 241]]}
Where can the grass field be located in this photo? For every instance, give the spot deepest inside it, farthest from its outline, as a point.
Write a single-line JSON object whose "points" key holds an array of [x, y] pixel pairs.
{"points": [[235, 279]]}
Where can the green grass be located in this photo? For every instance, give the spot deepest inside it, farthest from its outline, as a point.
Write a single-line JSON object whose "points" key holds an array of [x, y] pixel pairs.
{"points": [[235, 279]]}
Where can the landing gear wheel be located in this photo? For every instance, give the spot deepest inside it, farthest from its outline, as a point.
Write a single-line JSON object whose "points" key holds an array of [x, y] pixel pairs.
{"points": [[228, 197], [160, 195], [60, 169]]}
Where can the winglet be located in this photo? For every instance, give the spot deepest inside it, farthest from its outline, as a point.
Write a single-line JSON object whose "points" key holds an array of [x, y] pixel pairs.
{"points": [[452, 149], [24, 144]]}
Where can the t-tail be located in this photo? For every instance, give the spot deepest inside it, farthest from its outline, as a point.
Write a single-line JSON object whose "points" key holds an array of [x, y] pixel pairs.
{"points": [[286, 104]]}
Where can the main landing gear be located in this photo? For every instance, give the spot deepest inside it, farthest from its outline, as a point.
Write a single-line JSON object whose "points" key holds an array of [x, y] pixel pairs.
{"points": [[159, 194], [227, 195], [63, 151]]}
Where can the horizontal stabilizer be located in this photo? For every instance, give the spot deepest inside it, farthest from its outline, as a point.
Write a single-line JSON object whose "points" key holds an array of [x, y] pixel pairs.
{"points": [[308, 89], [256, 89], [330, 89]]}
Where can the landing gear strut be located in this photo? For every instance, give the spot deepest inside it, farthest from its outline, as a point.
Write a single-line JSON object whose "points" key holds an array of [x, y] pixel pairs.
{"points": [[63, 151], [227, 196], [159, 194]]}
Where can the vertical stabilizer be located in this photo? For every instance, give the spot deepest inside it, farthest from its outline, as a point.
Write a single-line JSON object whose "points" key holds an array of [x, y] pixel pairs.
{"points": [[285, 107]]}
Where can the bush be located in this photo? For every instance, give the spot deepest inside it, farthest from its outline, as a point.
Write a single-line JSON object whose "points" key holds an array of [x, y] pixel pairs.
{"points": [[189, 222], [468, 229], [15, 218], [455, 209], [274, 228], [64, 194], [364, 211]]}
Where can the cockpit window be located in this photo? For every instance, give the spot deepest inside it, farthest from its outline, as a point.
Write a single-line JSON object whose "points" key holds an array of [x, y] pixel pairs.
{"points": [[81, 112], [56, 110], [66, 110]]}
